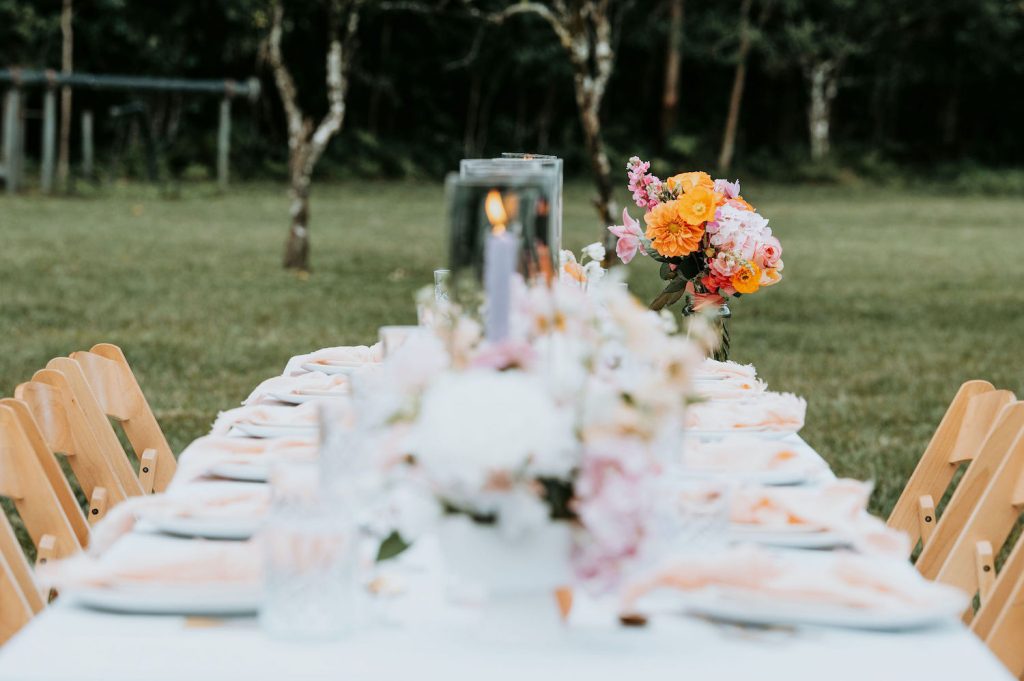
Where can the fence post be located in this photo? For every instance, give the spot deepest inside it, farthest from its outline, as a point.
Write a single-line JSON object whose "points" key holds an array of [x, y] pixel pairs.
{"points": [[49, 140], [13, 148], [224, 142], [87, 149]]}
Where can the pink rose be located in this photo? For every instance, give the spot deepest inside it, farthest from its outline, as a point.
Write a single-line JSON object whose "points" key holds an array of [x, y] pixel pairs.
{"points": [[769, 252]]}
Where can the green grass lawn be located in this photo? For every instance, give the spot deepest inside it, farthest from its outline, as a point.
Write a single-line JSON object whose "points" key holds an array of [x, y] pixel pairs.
{"points": [[890, 300]]}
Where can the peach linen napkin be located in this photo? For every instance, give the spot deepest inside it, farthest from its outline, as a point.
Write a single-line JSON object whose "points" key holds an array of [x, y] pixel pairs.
{"points": [[862, 583], [271, 415], [312, 382], [839, 506], [139, 559], [712, 369], [210, 451], [345, 353], [210, 499], [777, 412], [744, 453]]}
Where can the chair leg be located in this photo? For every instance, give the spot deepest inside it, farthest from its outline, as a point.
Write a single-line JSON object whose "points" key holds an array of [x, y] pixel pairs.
{"points": [[46, 550]]}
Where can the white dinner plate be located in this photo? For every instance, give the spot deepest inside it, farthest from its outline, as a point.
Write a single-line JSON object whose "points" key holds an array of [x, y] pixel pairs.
{"points": [[347, 368], [746, 607], [271, 430], [244, 472], [712, 435], [206, 528], [172, 599], [303, 397], [780, 478], [790, 538]]}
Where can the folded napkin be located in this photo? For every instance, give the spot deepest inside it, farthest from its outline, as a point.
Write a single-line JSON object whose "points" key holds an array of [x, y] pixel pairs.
{"points": [[312, 382], [847, 580], [208, 452], [140, 559], [839, 506], [344, 353], [271, 415], [743, 453], [778, 412], [713, 369], [210, 499]]}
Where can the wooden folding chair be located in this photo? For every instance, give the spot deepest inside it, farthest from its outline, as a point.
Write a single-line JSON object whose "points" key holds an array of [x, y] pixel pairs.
{"points": [[973, 486], [105, 475], [23, 480], [970, 560], [51, 467], [958, 439], [1000, 621], [19, 596], [118, 395]]}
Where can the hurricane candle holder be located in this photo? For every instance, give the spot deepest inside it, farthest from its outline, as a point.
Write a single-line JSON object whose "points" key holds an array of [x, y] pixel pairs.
{"points": [[500, 226]]}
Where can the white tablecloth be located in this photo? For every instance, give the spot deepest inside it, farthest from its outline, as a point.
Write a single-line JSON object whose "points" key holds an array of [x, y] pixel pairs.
{"points": [[66, 643]]}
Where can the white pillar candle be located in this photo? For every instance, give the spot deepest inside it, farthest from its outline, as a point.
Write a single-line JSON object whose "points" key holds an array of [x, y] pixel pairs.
{"points": [[499, 265]]}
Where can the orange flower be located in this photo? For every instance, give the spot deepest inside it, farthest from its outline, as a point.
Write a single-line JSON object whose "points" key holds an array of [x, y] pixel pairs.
{"points": [[670, 232], [747, 279], [687, 181], [575, 270], [698, 205]]}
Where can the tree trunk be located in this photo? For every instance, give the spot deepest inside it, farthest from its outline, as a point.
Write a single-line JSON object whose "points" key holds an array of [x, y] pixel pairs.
{"points": [[822, 80], [739, 80], [66, 66], [296, 249], [673, 60], [306, 143]]}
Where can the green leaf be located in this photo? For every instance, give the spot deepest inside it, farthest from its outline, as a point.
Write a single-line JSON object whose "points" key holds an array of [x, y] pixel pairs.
{"points": [[672, 293], [667, 272], [691, 265], [392, 546]]}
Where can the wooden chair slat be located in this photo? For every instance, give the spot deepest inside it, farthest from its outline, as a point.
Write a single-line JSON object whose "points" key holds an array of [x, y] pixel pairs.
{"points": [[934, 471], [13, 558], [974, 485], [119, 395], [26, 484], [16, 610], [54, 474], [66, 430]]}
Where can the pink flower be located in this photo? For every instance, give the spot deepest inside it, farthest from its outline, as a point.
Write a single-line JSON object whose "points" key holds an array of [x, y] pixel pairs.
{"points": [[645, 187], [629, 234], [769, 252], [723, 266], [730, 189]]}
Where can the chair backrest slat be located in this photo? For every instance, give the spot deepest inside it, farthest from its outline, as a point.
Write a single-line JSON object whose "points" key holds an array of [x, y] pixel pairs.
{"points": [[118, 395], [997, 447], [13, 558], [66, 430], [990, 523], [23, 480], [16, 611], [958, 438]]}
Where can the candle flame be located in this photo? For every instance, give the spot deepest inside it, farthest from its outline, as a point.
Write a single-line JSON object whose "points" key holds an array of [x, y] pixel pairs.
{"points": [[495, 209]]}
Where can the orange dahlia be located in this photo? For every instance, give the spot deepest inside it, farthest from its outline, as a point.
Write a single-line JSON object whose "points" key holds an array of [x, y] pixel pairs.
{"points": [[670, 232], [687, 181], [747, 279]]}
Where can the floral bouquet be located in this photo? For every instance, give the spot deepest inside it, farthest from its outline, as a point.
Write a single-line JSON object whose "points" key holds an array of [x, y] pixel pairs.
{"points": [[711, 243], [561, 425]]}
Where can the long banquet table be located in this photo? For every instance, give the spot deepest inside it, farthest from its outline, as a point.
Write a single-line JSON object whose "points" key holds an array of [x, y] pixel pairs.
{"points": [[444, 642]]}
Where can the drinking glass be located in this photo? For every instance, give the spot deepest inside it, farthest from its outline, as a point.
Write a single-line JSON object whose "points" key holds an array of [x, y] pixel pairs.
{"points": [[441, 280], [310, 554]]}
